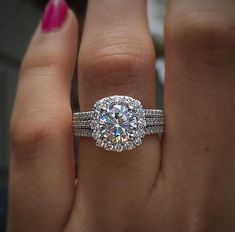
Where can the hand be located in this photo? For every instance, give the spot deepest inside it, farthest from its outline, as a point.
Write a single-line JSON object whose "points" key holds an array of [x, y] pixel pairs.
{"points": [[186, 182]]}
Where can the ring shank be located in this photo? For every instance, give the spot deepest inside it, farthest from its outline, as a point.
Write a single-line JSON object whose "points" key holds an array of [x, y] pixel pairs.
{"points": [[154, 122]]}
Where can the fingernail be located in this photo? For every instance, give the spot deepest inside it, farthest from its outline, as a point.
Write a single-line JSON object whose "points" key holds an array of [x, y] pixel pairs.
{"points": [[54, 15]]}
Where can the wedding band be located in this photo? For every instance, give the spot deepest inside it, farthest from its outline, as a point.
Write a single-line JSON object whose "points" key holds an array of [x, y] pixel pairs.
{"points": [[118, 123]]}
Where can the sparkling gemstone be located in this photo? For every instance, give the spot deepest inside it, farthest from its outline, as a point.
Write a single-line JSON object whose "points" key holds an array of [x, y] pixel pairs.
{"points": [[118, 125]]}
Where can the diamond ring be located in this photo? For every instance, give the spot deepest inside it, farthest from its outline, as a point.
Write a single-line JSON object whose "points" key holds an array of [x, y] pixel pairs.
{"points": [[118, 123]]}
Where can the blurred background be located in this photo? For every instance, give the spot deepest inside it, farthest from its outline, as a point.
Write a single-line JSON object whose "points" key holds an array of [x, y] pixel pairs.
{"points": [[18, 20]]}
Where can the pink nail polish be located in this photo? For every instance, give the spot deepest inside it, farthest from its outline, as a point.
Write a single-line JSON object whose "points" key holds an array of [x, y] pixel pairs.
{"points": [[54, 15]]}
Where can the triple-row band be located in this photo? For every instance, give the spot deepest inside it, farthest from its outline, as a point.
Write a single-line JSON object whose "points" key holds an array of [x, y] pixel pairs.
{"points": [[82, 122]]}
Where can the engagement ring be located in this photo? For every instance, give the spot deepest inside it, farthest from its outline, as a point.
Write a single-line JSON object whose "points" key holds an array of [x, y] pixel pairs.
{"points": [[118, 123]]}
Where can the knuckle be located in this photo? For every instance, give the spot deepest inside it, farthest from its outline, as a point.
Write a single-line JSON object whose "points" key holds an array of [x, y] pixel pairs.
{"points": [[27, 134], [114, 65], [197, 35], [31, 132], [42, 60]]}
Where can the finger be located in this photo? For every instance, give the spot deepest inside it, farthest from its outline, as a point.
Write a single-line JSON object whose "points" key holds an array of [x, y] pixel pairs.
{"points": [[41, 177], [199, 96], [116, 58]]}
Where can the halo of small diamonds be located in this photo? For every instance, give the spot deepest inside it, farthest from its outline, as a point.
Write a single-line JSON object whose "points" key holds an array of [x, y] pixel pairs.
{"points": [[118, 123]]}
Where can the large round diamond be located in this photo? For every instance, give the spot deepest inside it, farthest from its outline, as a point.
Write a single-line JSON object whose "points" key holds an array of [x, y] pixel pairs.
{"points": [[119, 123]]}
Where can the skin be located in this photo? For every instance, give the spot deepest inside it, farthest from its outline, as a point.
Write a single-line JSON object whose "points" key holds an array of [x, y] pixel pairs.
{"points": [[185, 182]]}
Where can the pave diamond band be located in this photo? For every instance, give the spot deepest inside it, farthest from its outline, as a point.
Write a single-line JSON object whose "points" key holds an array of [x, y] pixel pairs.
{"points": [[118, 123], [85, 122]]}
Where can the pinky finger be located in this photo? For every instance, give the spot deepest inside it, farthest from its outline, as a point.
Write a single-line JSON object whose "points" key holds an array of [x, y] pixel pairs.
{"points": [[41, 176]]}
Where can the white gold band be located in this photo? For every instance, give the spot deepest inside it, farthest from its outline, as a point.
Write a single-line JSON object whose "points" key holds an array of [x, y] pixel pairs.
{"points": [[84, 132], [82, 122]]}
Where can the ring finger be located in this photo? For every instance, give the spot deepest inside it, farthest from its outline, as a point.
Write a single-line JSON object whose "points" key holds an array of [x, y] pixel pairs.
{"points": [[116, 58]]}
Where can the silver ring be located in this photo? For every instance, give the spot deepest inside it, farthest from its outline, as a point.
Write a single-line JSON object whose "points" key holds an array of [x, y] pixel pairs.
{"points": [[118, 123]]}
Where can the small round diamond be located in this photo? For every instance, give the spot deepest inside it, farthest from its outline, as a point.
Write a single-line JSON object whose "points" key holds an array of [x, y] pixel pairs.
{"points": [[119, 123]]}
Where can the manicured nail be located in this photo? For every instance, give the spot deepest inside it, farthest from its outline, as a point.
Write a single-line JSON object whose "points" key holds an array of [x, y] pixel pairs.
{"points": [[54, 15]]}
